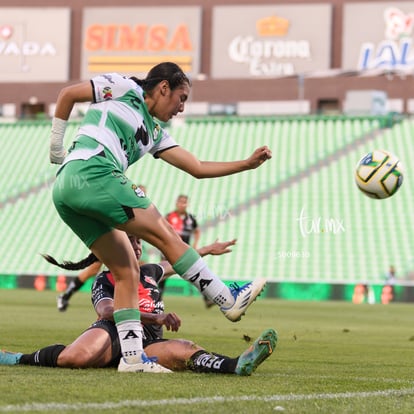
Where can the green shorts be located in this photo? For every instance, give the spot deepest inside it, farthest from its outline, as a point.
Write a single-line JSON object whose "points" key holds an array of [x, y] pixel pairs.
{"points": [[93, 197]]}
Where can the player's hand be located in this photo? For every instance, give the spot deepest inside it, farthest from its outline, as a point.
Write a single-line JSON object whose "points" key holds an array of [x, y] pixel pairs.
{"points": [[259, 156], [57, 155], [217, 248], [171, 321]]}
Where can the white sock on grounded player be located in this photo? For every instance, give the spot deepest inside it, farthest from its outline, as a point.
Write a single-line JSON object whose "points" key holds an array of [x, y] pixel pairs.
{"points": [[191, 267], [129, 329]]}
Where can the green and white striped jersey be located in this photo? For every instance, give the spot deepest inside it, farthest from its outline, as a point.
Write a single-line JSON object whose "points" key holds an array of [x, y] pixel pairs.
{"points": [[118, 120]]}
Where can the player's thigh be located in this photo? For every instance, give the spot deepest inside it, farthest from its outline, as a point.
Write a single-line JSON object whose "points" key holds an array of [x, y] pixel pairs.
{"points": [[115, 250], [91, 349], [150, 225], [148, 222]]}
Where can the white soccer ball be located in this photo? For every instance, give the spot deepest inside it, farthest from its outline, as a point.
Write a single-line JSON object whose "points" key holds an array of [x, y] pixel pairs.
{"points": [[379, 174]]}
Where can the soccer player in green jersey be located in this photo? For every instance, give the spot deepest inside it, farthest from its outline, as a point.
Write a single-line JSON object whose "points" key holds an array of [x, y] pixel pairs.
{"points": [[98, 346], [102, 205]]}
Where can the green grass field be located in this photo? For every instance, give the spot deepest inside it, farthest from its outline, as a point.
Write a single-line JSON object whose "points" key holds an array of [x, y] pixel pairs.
{"points": [[332, 357]]}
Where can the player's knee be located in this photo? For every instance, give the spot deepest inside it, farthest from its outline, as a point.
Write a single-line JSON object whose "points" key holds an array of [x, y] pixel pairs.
{"points": [[185, 349], [189, 344], [75, 359]]}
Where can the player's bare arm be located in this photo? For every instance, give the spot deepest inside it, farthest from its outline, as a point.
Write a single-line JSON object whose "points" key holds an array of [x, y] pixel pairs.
{"points": [[68, 96], [105, 310], [186, 161]]}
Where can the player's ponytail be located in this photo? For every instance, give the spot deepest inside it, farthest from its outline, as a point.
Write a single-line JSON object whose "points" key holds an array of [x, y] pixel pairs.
{"points": [[168, 71], [87, 261], [138, 81]]}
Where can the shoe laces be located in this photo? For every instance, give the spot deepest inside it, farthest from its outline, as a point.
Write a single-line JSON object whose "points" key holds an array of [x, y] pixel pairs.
{"points": [[148, 360], [236, 288]]}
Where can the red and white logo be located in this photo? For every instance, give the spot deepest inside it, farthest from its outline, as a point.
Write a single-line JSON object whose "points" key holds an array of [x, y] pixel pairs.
{"points": [[397, 23]]}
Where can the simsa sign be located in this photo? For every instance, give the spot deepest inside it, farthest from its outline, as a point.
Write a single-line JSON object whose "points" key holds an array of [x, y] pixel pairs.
{"points": [[270, 40], [131, 40], [34, 44], [378, 36]]}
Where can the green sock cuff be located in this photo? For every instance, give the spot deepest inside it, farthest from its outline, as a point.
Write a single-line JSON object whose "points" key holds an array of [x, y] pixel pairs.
{"points": [[186, 261], [128, 314]]}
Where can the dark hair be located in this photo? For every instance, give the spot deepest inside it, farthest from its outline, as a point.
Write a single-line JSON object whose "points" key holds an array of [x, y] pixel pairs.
{"points": [[72, 265], [168, 71]]}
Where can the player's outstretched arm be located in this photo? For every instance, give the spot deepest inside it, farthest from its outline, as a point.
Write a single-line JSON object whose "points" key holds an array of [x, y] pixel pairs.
{"points": [[217, 248], [186, 161]]}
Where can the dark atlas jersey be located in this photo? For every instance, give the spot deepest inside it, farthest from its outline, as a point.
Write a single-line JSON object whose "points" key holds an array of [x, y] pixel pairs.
{"points": [[183, 225], [149, 294]]}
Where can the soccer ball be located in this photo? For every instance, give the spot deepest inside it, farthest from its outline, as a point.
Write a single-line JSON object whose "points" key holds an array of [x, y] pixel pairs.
{"points": [[379, 174]]}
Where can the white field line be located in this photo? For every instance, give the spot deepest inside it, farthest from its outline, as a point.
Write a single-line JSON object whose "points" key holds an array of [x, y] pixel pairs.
{"points": [[335, 377], [55, 407]]}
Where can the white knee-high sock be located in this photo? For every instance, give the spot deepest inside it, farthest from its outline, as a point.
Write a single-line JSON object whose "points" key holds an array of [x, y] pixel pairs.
{"points": [[129, 329], [190, 266]]}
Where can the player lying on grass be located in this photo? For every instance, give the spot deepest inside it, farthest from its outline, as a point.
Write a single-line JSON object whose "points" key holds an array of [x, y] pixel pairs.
{"points": [[99, 345], [91, 266]]}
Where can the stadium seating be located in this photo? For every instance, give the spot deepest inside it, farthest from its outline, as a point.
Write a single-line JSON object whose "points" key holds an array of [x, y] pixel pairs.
{"points": [[299, 217], [25, 147], [347, 236]]}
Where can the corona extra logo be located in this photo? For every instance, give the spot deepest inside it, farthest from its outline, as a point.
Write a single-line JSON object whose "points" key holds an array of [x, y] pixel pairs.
{"points": [[269, 52], [272, 26]]}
